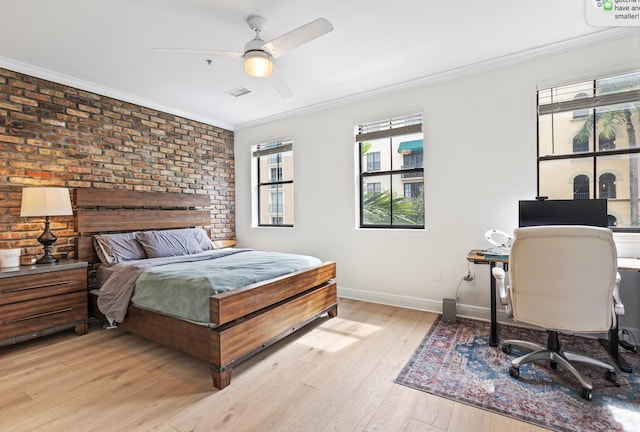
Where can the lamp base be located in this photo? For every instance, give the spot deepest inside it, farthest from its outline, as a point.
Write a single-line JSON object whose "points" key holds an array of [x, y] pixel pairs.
{"points": [[46, 240], [47, 258]]}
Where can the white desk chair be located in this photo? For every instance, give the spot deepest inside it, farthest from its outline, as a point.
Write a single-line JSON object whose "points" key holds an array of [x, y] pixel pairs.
{"points": [[562, 278]]}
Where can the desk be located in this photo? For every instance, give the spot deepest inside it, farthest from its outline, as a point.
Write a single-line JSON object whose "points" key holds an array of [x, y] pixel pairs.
{"points": [[477, 257]]}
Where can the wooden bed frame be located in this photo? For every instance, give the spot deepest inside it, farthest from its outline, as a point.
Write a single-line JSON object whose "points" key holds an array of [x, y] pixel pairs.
{"points": [[242, 322]]}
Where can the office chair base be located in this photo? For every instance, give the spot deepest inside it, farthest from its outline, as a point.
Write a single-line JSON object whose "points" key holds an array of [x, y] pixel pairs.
{"points": [[558, 356]]}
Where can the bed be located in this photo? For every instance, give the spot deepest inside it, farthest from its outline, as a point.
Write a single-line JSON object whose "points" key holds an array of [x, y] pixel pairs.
{"points": [[242, 321]]}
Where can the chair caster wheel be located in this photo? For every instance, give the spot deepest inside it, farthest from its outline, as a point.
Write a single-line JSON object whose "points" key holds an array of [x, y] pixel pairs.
{"points": [[611, 376], [514, 372], [586, 393], [506, 348]]}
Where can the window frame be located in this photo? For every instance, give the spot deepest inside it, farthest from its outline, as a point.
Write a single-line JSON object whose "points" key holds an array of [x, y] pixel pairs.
{"points": [[587, 106], [387, 128], [273, 186]]}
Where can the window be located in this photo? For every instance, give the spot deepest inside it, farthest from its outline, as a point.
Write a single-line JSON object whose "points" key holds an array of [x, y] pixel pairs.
{"points": [[581, 187], [274, 171], [276, 176], [580, 144], [391, 173], [607, 142], [589, 144], [373, 188], [607, 187], [373, 161]]}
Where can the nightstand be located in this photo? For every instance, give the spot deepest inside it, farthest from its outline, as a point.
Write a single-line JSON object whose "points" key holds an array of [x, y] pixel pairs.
{"points": [[37, 300]]}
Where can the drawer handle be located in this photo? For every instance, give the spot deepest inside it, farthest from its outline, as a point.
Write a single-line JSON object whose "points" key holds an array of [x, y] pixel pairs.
{"points": [[51, 284], [44, 314]]}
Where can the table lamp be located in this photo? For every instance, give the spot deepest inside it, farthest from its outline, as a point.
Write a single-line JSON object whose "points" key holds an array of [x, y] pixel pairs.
{"points": [[47, 202]]}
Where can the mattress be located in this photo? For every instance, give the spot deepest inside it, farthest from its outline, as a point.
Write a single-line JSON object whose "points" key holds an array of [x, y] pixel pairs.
{"points": [[182, 289]]}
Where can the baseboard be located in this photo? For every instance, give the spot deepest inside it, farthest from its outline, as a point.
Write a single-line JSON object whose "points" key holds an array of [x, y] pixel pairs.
{"points": [[407, 302], [422, 304], [480, 313]]}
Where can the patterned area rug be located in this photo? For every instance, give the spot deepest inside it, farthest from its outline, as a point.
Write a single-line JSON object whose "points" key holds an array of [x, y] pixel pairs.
{"points": [[455, 361]]}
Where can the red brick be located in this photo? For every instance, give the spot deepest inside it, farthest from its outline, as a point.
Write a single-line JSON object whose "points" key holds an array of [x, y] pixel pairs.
{"points": [[74, 138]]}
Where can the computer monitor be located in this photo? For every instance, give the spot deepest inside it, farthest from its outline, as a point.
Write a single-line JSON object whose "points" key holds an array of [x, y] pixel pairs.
{"points": [[592, 212]]}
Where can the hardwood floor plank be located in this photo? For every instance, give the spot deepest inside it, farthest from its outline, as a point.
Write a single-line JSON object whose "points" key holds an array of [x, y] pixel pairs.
{"points": [[417, 426], [434, 410], [396, 410], [333, 375], [361, 355], [415, 327], [362, 405], [256, 383]]}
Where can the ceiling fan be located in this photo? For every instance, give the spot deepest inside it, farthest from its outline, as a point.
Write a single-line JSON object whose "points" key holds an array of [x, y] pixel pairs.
{"points": [[258, 55]]}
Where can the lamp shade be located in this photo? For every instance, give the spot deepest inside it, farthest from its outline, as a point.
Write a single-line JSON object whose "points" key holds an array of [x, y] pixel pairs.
{"points": [[45, 201], [258, 64]]}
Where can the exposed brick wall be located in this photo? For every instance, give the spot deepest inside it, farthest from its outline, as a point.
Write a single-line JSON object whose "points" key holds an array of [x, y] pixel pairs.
{"points": [[55, 135]]}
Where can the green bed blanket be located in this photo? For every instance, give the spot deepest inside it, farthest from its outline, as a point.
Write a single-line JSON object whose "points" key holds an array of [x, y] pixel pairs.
{"points": [[182, 289]]}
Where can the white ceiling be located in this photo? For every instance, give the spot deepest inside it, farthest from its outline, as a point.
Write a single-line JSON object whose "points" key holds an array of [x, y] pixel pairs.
{"points": [[105, 46]]}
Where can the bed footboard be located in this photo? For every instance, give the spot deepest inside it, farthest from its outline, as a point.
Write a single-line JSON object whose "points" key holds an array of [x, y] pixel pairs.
{"points": [[236, 341]]}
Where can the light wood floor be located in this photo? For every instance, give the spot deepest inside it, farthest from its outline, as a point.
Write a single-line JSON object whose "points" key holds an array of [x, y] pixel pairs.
{"points": [[335, 375]]}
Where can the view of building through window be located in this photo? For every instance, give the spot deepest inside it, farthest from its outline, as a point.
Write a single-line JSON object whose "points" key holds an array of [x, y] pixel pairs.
{"points": [[391, 173], [588, 144], [274, 164]]}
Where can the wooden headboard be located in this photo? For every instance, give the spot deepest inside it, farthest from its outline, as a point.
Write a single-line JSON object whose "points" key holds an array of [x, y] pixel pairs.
{"points": [[106, 210]]}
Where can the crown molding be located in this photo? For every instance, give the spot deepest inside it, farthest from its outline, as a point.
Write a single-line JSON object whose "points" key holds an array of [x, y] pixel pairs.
{"points": [[609, 33], [59, 78], [606, 34]]}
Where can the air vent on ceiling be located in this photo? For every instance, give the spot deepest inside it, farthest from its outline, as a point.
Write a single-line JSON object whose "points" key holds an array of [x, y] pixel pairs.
{"points": [[240, 91]]}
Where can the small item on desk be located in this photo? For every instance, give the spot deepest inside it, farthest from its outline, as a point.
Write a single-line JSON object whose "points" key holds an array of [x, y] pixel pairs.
{"points": [[490, 256], [498, 252], [498, 238], [501, 242]]}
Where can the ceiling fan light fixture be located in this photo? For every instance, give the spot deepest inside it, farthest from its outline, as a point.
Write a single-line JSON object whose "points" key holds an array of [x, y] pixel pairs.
{"points": [[258, 63]]}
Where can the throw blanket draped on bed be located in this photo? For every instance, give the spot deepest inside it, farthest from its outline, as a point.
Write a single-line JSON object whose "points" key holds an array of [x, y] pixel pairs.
{"points": [[182, 288]]}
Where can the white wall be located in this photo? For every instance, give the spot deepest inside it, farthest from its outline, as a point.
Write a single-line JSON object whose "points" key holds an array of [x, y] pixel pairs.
{"points": [[480, 159]]}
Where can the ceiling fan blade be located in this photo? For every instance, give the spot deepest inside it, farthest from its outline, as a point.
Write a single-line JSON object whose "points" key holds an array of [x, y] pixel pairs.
{"points": [[233, 54], [295, 38], [280, 85]]}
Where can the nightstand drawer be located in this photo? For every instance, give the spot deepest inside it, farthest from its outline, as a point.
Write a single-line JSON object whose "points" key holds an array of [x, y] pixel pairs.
{"points": [[34, 286], [28, 317]]}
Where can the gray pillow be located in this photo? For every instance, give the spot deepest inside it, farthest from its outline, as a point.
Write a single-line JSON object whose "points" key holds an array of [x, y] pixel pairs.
{"points": [[166, 243], [203, 239], [115, 248]]}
